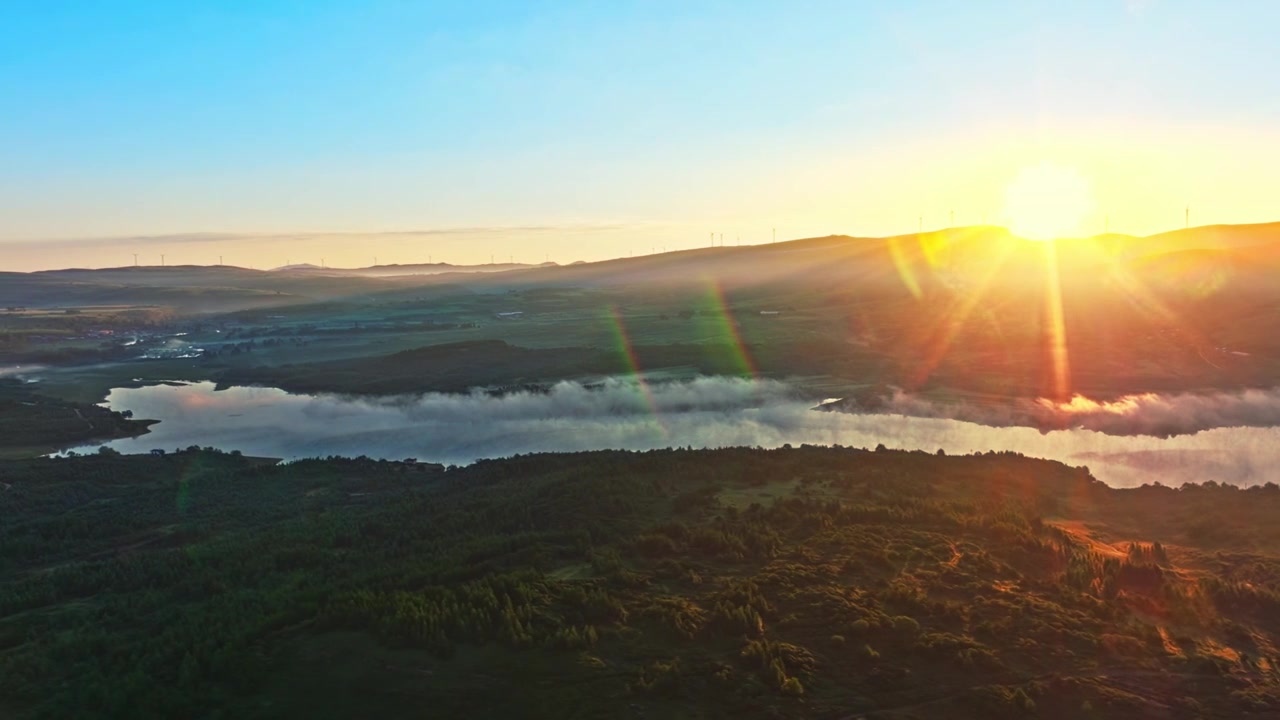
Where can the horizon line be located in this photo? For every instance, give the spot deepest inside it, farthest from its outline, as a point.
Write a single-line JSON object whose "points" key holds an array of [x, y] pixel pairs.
{"points": [[553, 263]]}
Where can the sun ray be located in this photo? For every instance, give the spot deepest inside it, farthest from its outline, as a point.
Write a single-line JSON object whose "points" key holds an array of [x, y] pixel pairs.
{"points": [[1144, 299], [903, 265], [1056, 324], [951, 323]]}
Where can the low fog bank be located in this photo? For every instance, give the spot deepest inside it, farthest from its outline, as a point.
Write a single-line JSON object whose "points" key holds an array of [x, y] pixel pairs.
{"points": [[612, 398], [1151, 414], [623, 414]]}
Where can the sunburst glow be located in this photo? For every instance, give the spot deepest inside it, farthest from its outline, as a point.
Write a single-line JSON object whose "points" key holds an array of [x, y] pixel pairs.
{"points": [[1047, 201]]}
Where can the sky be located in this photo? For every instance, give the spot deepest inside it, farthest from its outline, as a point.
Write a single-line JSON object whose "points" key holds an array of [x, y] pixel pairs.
{"points": [[279, 131]]}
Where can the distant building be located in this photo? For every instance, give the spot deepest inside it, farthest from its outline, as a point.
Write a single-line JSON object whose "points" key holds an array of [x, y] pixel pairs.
{"points": [[158, 452]]}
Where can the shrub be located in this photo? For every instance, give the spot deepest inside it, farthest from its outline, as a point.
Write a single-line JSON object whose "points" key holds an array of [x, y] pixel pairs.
{"points": [[791, 686]]}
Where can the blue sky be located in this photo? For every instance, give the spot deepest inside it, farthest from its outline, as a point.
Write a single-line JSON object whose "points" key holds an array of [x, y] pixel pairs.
{"points": [[627, 125]]}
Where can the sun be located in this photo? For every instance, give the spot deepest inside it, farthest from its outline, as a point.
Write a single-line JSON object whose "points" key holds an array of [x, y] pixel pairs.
{"points": [[1047, 201]]}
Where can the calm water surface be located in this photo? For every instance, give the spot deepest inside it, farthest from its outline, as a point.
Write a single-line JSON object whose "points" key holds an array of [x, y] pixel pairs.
{"points": [[708, 412]]}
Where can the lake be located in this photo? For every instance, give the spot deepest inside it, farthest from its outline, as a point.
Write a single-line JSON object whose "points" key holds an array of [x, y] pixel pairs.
{"points": [[624, 414]]}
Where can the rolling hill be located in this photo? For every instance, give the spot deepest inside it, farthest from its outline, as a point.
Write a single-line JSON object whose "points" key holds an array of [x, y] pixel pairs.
{"points": [[915, 263]]}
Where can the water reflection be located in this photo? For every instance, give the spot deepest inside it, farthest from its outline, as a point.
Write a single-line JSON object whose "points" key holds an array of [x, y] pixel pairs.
{"points": [[708, 412]]}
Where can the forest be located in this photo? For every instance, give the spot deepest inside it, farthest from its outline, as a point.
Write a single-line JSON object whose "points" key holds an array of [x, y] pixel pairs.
{"points": [[32, 422], [799, 582]]}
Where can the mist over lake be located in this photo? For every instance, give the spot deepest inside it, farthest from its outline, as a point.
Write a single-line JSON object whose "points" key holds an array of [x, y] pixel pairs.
{"points": [[623, 414]]}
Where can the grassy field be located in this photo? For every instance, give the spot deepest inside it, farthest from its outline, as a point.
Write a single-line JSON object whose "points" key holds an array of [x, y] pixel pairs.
{"points": [[827, 344], [831, 346], [697, 333]]}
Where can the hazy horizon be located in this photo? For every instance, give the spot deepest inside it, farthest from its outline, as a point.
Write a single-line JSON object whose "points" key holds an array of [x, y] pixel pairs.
{"points": [[401, 247]]}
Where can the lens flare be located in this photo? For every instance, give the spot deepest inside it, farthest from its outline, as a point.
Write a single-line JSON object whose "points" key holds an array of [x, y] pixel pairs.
{"points": [[726, 326], [904, 266], [622, 342]]}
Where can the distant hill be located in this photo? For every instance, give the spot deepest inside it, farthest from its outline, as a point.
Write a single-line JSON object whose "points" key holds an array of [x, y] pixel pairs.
{"points": [[186, 288], [1210, 237], [395, 270], [1252, 256], [916, 262], [904, 265]]}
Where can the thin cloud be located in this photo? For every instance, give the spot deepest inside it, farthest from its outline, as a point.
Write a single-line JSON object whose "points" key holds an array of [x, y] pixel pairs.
{"points": [[215, 237], [135, 240]]}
